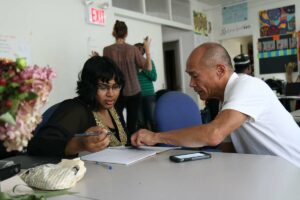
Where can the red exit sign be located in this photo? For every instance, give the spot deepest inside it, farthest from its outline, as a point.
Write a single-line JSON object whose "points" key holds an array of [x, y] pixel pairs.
{"points": [[96, 16]]}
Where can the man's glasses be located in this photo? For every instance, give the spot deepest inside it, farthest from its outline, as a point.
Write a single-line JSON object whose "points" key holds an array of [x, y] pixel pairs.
{"points": [[106, 87]]}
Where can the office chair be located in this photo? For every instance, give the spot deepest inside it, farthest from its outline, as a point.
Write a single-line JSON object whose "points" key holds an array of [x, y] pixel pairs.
{"points": [[292, 89], [275, 85], [175, 110], [161, 92], [46, 116]]}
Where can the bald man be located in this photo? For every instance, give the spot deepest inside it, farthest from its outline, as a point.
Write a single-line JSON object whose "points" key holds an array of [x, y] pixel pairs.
{"points": [[251, 113]]}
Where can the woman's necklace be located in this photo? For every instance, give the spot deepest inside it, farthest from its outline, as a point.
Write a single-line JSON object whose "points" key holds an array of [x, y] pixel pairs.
{"points": [[113, 139]]}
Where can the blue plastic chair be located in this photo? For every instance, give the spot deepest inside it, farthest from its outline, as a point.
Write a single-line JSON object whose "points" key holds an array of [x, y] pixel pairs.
{"points": [[175, 110], [46, 116]]}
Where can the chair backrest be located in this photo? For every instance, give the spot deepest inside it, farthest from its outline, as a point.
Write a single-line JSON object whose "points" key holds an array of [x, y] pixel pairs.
{"points": [[292, 89], [275, 85], [175, 110], [46, 116], [161, 92]]}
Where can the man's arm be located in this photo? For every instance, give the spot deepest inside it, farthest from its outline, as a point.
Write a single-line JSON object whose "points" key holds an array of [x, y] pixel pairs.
{"points": [[210, 134]]}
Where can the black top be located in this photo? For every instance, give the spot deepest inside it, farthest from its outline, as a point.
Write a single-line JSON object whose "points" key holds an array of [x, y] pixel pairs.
{"points": [[72, 116]]}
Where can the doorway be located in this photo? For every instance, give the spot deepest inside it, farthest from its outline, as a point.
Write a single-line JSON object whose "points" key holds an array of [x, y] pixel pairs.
{"points": [[236, 46], [172, 65]]}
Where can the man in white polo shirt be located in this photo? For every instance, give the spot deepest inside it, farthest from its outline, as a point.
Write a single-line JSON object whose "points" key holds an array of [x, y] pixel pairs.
{"points": [[250, 113]]}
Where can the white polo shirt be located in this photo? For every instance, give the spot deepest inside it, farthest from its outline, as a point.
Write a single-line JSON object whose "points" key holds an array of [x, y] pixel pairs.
{"points": [[270, 130]]}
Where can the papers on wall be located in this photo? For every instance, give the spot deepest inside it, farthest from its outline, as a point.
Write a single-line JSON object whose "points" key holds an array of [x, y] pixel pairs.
{"points": [[93, 44], [12, 47], [124, 155]]}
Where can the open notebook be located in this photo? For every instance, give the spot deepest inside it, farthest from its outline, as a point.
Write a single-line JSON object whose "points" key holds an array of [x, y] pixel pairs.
{"points": [[124, 155]]}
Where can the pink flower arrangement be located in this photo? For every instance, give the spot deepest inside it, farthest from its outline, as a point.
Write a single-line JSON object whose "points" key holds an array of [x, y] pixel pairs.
{"points": [[23, 92]]}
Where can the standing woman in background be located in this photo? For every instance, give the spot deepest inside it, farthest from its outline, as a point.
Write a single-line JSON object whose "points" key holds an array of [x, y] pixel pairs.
{"points": [[146, 79], [129, 60]]}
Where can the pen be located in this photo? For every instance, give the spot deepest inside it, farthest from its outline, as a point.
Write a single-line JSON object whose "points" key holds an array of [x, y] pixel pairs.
{"points": [[85, 134], [92, 134], [105, 165]]}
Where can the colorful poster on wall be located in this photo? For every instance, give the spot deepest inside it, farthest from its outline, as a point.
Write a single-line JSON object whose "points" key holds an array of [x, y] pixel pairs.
{"points": [[235, 13], [277, 21], [277, 51], [200, 23]]}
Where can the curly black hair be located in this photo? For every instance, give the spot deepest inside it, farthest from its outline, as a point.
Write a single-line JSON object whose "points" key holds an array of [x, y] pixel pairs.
{"points": [[96, 69]]}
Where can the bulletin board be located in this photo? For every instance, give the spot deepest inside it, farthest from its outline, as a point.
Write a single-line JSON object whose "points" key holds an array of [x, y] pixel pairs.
{"points": [[276, 51], [235, 13]]}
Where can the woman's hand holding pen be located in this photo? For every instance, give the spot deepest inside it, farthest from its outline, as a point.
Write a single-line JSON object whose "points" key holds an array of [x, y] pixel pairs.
{"points": [[96, 142], [94, 139]]}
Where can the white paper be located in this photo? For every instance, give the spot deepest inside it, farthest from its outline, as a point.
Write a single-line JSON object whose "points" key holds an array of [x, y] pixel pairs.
{"points": [[152, 148], [12, 47], [93, 45], [123, 155]]}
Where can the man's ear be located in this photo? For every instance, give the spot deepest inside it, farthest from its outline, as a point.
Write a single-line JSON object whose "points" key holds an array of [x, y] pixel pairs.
{"points": [[220, 70], [114, 33]]}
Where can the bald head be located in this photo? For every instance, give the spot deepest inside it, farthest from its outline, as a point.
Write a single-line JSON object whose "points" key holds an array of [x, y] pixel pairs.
{"points": [[210, 68], [211, 54]]}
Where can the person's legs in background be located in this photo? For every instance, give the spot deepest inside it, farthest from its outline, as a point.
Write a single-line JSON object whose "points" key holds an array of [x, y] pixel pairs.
{"points": [[141, 113], [120, 105], [132, 108], [148, 110]]}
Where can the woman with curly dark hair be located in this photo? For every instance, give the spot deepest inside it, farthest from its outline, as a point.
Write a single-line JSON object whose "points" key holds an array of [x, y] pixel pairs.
{"points": [[92, 113]]}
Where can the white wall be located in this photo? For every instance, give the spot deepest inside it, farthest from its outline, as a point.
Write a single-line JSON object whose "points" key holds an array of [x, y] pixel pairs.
{"points": [[198, 40], [186, 45], [58, 36], [233, 46], [253, 20], [188, 40]]}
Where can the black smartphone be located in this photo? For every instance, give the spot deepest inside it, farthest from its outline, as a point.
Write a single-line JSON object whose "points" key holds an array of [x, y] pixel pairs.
{"points": [[190, 156]]}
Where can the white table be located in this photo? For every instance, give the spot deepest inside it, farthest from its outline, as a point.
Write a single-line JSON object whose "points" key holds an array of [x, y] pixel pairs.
{"points": [[288, 97], [289, 102], [296, 115], [223, 177]]}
